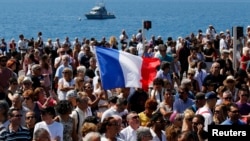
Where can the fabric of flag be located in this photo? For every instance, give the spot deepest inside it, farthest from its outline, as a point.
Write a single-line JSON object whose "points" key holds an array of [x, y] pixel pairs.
{"points": [[119, 69]]}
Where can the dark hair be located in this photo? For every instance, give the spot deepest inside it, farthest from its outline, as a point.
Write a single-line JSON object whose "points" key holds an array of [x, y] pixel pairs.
{"points": [[5, 107], [200, 118], [122, 101], [234, 105], [158, 81], [187, 135], [49, 110], [156, 116], [164, 65], [63, 107], [10, 112], [12, 80], [91, 119], [112, 99], [151, 104], [45, 64], [106, 122]]}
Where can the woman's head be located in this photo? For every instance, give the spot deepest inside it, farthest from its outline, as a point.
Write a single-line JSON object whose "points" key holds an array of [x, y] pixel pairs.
{"points": [[111, 125], [220, 113], [28, 96], [13, 81], [39, 93], [67, 73], [88, 127], [151, 105], [64, 107], [81, 70]]}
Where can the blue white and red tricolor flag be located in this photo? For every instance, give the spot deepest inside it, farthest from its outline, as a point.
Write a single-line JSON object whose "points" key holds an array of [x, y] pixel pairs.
{"points": [[119, 69]]}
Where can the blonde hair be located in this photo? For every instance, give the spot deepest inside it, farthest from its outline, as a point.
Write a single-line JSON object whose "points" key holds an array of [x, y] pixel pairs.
{"points": [[244, 50], [112, 40], [88, 127], [188, 113], [20, 79]]}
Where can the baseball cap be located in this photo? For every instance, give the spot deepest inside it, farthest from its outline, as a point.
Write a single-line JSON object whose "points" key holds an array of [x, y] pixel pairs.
{"points": [[211, 95]]}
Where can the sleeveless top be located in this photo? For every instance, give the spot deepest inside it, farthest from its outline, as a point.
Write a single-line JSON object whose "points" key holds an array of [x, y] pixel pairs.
{"points": [[67, 129]]}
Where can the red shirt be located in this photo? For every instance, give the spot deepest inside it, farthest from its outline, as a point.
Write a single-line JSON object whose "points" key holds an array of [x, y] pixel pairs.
{"points": [[244, 59]]}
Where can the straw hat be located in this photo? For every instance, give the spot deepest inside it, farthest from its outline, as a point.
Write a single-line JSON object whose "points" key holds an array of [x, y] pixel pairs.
{"points": [[229, 79]]}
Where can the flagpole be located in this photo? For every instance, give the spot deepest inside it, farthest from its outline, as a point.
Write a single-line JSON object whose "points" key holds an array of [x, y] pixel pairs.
{"points": [[143, 38]]}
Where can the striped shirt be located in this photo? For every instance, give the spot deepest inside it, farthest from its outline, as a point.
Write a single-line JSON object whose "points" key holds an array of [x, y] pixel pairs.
{"points": [[22, 134]]}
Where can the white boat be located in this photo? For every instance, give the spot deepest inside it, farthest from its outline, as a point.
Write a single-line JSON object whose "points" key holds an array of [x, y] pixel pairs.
{"points": [[99, 12]]}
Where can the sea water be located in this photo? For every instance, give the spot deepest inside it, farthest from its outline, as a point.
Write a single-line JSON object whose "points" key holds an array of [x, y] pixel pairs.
{"points": [[170, 18]]}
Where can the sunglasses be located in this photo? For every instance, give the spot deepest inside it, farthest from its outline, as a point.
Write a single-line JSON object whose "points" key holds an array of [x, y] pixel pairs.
{"points": [[31, 117], [135, 117], [88, 87], [162, 50], [227, 98], [195, 123], [245, 95], [191, 74], [236, 111], [26, 98], [17, 116], [216, 111]]}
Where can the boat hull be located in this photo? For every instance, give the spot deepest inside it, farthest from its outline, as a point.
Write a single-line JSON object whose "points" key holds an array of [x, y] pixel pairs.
{"points": [[92, 16]]}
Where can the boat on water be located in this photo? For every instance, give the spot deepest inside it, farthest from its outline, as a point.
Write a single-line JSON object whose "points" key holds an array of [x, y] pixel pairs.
{"points": [[99, 12]]}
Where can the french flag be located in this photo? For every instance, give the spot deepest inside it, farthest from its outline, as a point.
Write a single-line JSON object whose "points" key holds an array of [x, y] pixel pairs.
{"points": [[119, 69]]}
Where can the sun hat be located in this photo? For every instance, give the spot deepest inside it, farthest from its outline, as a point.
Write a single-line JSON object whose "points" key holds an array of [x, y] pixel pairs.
{"points": [[27, 79], [211, 95]]}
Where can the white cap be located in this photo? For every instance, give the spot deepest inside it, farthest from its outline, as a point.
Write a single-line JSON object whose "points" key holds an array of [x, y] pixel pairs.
{"points": [[27, 79], [156, 47]]}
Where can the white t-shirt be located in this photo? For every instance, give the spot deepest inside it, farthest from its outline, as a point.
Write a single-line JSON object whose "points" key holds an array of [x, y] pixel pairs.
{"points": [[55, 129], [62, 94]]}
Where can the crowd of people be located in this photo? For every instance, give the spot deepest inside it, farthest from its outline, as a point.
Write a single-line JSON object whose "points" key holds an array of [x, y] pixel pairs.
{"points": [[52, 91]]}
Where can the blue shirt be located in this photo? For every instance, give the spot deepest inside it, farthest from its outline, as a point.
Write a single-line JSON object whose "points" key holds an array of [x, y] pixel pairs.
{"points": [[229, 122], [180, 106]]}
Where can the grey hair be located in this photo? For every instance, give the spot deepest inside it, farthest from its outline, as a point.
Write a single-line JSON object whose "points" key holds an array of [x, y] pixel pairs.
{"points": [[90, 136], [81, 68], [141, 132], [37, 134]]}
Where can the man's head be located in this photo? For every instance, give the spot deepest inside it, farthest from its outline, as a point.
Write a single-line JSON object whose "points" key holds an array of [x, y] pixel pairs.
{"points": [[82, 100], [121, 104], [41, 134], [183, 92], [15, 116], [133, 120], [227, 97], [16, 101], [3, 60], [144, 134], [215, 69], [48, 114], [211, 99], [233, 112], [30, 119], [200, 99], [198, 120]]}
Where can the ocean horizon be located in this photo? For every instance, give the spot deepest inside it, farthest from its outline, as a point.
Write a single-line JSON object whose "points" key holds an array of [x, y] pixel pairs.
{"points": [[170, 18]]}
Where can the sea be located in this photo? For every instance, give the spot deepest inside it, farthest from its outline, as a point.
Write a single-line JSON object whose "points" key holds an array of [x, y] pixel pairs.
{"points": [[170, 18]]}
